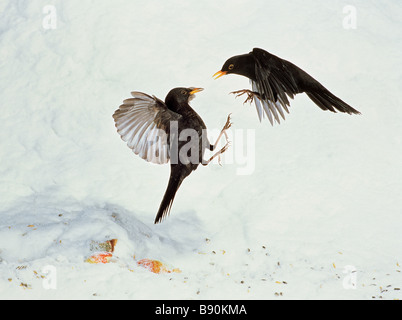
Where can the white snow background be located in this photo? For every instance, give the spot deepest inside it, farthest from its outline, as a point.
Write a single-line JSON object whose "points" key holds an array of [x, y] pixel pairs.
{"points": [[325, 197]]}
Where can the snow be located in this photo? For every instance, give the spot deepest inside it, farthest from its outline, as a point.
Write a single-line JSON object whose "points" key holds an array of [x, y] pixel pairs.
{"points": [[321, 195]]}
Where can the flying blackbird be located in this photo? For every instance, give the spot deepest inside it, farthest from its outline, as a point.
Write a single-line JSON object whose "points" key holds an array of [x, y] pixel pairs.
{"points": [[273, 80], [160, 132]]}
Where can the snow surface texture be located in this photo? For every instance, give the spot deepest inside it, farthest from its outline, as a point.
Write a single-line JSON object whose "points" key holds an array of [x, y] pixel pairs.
{"points": [[324, 198]]}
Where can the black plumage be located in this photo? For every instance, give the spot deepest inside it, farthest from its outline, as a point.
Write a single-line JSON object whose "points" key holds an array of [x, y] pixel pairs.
{"points": [[274, 80], [160, 132]]}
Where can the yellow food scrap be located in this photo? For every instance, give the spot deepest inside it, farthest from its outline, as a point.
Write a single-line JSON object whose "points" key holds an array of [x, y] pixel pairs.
{"points": [[100, 258], [156, 266]]}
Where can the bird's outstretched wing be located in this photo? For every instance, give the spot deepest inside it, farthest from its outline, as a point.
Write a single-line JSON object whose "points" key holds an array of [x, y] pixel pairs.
{"points": [[277, 80], [275, 83], [144, 123]]}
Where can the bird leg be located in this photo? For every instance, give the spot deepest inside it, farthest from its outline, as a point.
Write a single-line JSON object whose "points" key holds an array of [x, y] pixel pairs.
{"points": [[218, 154], [250, 95], [227, 125]]}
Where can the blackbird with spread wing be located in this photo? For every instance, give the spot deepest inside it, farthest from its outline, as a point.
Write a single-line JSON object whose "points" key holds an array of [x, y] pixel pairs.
{"points": [[275, 80], [160, 132]]}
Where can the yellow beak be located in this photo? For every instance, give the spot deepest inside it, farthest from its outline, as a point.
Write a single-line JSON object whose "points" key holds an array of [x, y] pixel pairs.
{"points": [[196, 90], [219, 74]]}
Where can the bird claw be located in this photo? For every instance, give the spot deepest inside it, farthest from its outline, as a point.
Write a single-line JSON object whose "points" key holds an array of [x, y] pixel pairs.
{"points": [[228, 123], [250, 95], [224, 149]]}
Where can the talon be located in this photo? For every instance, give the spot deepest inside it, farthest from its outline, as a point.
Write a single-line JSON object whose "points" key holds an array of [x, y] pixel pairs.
{"points": [[219, 161], [250, 95], [228, 123]]}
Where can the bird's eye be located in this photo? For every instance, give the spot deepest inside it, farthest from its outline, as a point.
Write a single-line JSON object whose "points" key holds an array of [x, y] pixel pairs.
{"points": [[231, 67], [183, 92]]}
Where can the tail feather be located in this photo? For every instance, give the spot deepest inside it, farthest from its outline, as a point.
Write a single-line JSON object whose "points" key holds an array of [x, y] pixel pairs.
{"points": [[328, 101], [167, 201]]}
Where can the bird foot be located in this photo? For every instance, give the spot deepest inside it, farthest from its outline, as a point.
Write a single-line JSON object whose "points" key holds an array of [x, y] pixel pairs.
{"points": [[227, 126], [228, 123], [250, 95], [223, 150], [218, 154]]}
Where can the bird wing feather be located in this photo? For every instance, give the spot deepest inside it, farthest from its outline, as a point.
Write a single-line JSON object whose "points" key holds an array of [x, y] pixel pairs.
{"points": [[278, 79], [275, 82], [144, 123]]}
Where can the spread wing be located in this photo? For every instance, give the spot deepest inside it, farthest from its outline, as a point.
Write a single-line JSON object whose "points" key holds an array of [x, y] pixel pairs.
{"points": [[277, 80], [272, 109], [144, 123]]}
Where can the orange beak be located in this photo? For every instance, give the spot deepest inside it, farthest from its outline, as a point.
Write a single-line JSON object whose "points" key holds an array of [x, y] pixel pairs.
{"points": [[196, 90], [219, 74]]}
